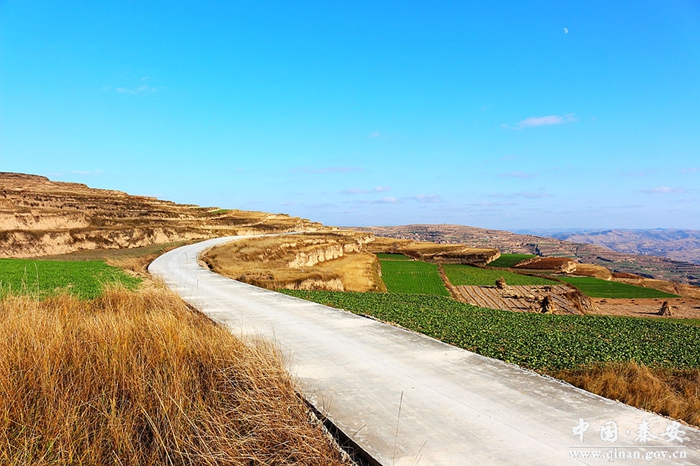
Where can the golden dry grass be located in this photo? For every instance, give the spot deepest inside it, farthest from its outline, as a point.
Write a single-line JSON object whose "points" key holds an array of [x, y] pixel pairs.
{"points": [[139, 379], [671, 392], [330, 260], [593, 270]]}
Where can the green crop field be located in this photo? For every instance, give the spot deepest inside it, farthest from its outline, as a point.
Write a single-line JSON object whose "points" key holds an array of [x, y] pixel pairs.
{"points": [[597, 288], [43, 278], [392, 257], [509, 260], [402, 276], [468, 275], [535, 341]]}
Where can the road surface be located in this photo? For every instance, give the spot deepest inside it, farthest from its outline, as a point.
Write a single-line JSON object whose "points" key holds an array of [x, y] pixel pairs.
{"points": [[408, 399]]}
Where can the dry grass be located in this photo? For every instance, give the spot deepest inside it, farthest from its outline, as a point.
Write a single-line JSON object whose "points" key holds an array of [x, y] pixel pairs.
{"points": [[671, 392], [139, 379], [593, 270], [330, 260]]}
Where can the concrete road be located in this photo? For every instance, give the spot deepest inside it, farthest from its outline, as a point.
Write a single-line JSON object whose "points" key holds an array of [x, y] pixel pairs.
{"points": [[410, 400]]}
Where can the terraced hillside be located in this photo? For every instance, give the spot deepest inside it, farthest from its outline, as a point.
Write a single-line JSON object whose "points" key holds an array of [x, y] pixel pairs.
{"points": [[41, 217], [645, 265]]}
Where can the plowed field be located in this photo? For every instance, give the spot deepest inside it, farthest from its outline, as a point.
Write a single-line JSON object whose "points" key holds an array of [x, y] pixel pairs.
{"points": [[517, 298]]}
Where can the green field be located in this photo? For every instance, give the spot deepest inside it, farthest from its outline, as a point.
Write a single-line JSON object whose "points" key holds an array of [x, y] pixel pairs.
{"points": [[43, 278], [535, 341], [509, 260], [468, 275], [401, 276], [597, 288], [392, 257]]}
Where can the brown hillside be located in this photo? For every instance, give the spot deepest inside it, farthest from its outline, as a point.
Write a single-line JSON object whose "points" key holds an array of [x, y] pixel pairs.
{"points": [[329, 260], [554, 264], [40, 217]]}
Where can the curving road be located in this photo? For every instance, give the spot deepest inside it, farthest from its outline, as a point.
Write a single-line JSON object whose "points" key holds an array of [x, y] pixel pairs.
{"points": [[410, 400]]}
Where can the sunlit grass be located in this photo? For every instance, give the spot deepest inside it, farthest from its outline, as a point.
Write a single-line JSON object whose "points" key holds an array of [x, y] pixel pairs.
{"points": [[139, 379]]}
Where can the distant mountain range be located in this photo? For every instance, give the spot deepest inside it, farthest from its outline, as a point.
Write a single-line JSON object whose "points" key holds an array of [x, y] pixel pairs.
{"points": [[681, 245]]}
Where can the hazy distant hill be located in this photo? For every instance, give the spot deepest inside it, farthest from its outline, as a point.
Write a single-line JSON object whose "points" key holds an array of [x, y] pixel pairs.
{"points": [[682, 245]]}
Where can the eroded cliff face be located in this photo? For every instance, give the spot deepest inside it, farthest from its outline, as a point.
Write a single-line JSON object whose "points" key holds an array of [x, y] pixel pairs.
{"points": [[43, 217], [325, 260], [318, 252]]}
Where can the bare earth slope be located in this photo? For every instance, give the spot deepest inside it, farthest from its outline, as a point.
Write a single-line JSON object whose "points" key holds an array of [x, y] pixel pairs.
{"points": [[40, 217], [507, 242]]}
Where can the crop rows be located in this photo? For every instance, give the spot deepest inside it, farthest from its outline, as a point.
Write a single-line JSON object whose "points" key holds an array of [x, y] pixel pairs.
{"points": [[475, 276], [43, 278], [597, 288], [401, 276], [509, 260], [536, 341]]}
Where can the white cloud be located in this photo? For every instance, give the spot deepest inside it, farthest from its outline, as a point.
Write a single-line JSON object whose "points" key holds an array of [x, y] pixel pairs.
{"points": [[375, 134], [426, 198], [664, 190], [386, 200], [546, 121], [690, 170]]}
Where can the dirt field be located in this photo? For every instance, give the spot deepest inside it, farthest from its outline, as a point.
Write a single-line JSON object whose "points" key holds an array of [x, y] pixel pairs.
{"points": [[517, 298], [681, 308]]}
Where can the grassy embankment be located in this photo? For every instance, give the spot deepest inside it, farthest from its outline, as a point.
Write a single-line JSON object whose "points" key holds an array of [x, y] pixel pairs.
{"points": [[654, 365], [135, 377]]}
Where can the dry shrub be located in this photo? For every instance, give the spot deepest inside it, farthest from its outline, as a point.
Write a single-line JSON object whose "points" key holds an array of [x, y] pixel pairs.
{"points": [[671, 392], [139, 379]]}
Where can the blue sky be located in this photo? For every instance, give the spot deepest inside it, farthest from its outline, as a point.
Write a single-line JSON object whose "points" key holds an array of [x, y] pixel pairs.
{"points": [[504, 114]]}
